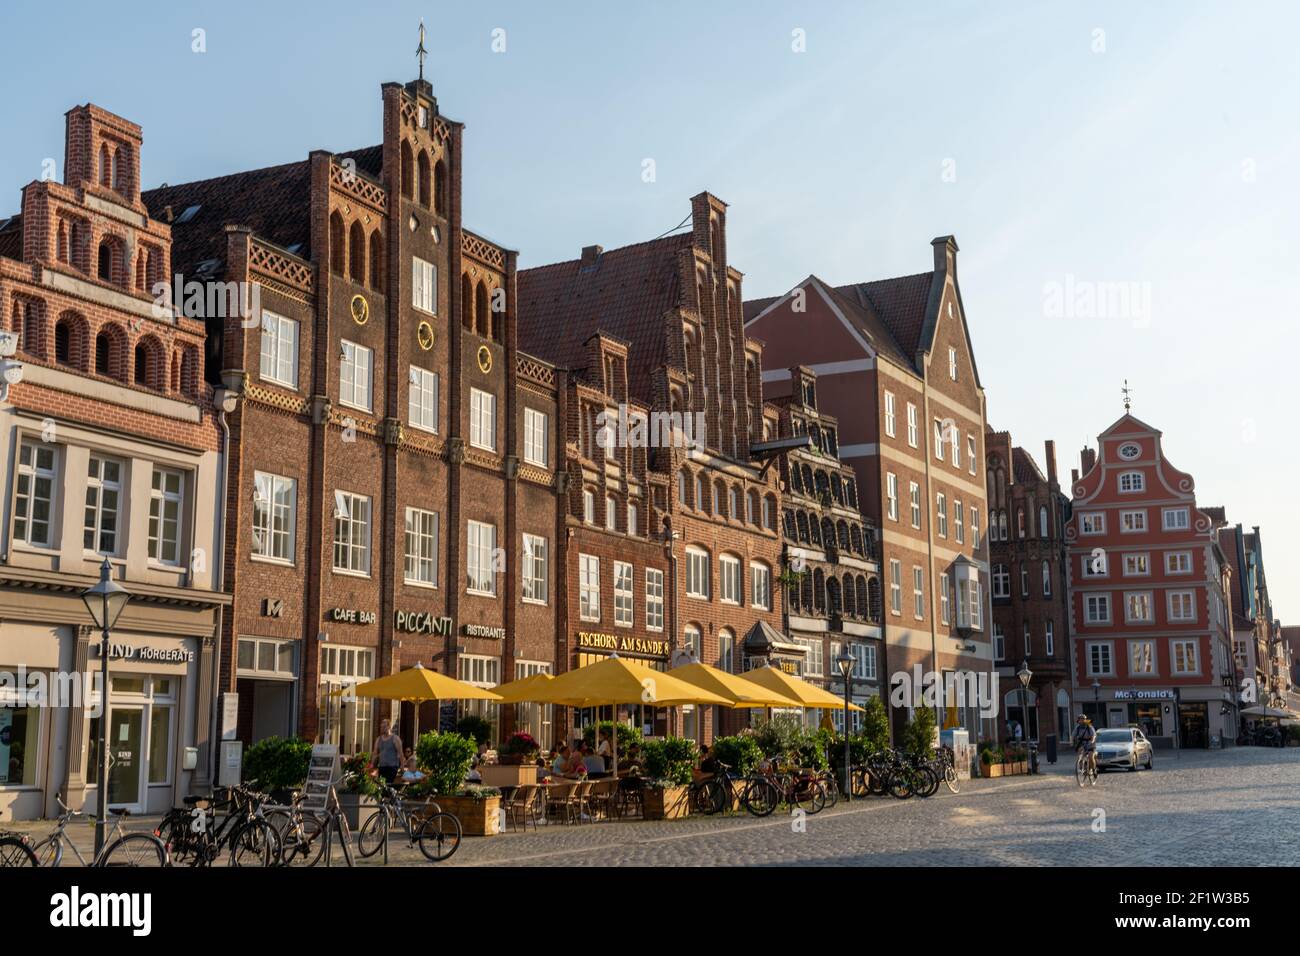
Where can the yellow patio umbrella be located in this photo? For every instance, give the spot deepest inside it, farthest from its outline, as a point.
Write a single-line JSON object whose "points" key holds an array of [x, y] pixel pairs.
{"points": [[617, 680], [804, 693], [516, 692], [417, 684], [738, 691]]}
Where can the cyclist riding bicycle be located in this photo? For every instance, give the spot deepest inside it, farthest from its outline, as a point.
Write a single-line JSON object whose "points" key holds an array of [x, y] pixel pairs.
{"points": [[1085, 735]]}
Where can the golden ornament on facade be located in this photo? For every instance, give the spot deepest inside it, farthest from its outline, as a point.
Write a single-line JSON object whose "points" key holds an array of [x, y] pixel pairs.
{"points": [[360, 309], [424, 335], [484, 359]]}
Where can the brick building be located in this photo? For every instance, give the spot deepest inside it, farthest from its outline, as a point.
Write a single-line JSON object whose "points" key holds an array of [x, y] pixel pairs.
{"points": [[1027, 518], [896, 368], [112, 449], [656, 329], [831, 566], [1150, 595], [394, 466]]}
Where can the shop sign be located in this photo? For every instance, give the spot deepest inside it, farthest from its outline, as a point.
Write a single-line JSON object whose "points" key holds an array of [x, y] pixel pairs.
{"points": [[421, 622], [484, 630], [349, 615], [145, 654], [622, 644], [1144, 695]]}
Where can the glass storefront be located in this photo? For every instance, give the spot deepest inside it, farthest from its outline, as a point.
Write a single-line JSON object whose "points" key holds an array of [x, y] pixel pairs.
{"points": [[141, 729], [20, 728]]}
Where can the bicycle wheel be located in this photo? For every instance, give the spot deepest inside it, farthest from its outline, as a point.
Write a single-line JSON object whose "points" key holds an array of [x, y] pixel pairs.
{"points": [[809, 796], [930, 781], [1081, 771], [14, 851], [439, 836], [877, 780], [830, 788], [761, 797], [182, 846], [950, 779], [136, 849], [303, 841], [707, 798], [900, 784], [373, 833], [253, 844]]}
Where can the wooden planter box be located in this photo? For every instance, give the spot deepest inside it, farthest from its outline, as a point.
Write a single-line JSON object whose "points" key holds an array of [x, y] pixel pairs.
{"points": [[507, 775], [477, 817], [1004, 769], [668, 804]]}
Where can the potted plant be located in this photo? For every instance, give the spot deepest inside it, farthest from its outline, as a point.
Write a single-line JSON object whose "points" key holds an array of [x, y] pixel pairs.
{"points": [[520, 747], [516, 763], [668, 763], [445, 759], [360, 789], [278, 766]]}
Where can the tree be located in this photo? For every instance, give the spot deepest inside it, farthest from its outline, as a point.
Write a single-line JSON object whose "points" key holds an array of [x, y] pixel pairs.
{"points": [[918, 735]]}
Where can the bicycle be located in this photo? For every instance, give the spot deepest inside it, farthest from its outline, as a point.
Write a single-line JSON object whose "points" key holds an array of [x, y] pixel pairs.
{"points": [[120, 848], [714, 794], [1085, 767], [795, 788], [190, 835], [944, 765], [435, 832], [302, 835], [16, 850]]}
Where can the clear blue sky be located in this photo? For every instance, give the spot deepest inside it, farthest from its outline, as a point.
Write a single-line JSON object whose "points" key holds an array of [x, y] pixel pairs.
{"points": [[1163, 152]]}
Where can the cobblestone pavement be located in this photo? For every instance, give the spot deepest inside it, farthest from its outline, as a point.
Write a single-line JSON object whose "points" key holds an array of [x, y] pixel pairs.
{"points": [[1239, 806]]}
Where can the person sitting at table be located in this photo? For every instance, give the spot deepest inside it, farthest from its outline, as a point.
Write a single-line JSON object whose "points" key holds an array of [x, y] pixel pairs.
{"points": [[603, 748], [560, 765], [708, 761], [411, 771]]}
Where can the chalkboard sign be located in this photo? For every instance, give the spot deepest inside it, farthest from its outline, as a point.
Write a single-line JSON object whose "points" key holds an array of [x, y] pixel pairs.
{"points": [[446, 716], [323, 773]]}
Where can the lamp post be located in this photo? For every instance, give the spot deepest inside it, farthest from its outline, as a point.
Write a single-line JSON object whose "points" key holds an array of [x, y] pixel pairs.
{"points": [[1025, 675], [845, 663], [1096, 699], [105, 602]]}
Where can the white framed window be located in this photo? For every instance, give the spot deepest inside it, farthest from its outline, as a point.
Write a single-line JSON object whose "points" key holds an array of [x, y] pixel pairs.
{"points": [[1185, 657], [891, 495], [1028, 641], [1174, 519], [1137, 607], [351, 533], [814, 665], [970, 453], [1020, 522], [279, 359], [1001, 581], [1100, 659], [1047, 579], [974, 527], [891, 419], [537, 569], [1024, 581], [729, 579], [697, 573], [611, 513], [918, 593], [760, 586], [1096, 608], [970, 605], [999, 642], [633, 522], [103, 504], [588, 506], [420, 539], [1178, 562], [535, 432], [1131, 482], [356, 363], [654, 599], [482, 419], [895, 587], [1137, 565], [1094, 565], [912, 436], [166, 507], [765, 507], [914, 495], [623, 609], [275, 513], [588, 587], [422, 400], [1092, 523], [35, 493], [480, 551], [1043, 525], [1141, 658], [1182, 606], [726, 651], [939, 440], [1132, 522], [943, 598], [941, 512], [1049, 639], [952, 364], [424, 285], [864, 661], [958, 522], [954, 440]]}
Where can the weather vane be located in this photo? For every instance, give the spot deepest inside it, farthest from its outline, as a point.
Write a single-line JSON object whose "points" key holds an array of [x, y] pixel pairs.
{"points": [[420, 51], [1128, 396]]}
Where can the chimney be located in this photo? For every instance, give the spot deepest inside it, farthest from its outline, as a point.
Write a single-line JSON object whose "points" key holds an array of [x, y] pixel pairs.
{"points": [[1074, 476], [1087, 458], [1049, 452], [589, 255], [945, 254]]}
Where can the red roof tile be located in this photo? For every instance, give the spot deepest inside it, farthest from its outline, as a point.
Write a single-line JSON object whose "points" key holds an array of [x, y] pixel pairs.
{"points": [[900, 304]]}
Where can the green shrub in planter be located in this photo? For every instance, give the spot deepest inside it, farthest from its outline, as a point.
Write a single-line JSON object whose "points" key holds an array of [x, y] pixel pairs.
{"points": [[445, 759], [277, 763], [779, 736], [670, 758], [918, 735], [812, 748], [741, 753], [875, 725], [359, 778], [474, 727]]}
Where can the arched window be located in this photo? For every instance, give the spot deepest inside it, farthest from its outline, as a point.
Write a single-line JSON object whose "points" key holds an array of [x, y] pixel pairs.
{"points": [[842, 534], [376, 261], [111, 266], [733, 504], [481, 318], [70, 335], [700, 503], [422, 168], [1002, 526], [337, 251], [408, 188], [856, 533], [851, 492], [834, 604], [466, 302], [110, 352], [149, 363], [1020, 522], [190, 372], [850, 603], [683, 488], [796, 479], [1047, 579], [828, 533], [103, 351], [357, 253], [122, 170], [768, 517], [1042, 522], [802, 522], [791, 530], [806, 591], [873, 599], [814, 530], [497, 318], [440, 188], [864, 606], [27, 323], [819, 590], [105, 166]]}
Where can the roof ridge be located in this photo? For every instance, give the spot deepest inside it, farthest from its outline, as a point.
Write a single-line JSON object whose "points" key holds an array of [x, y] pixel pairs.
{"points": [[609, 252]]}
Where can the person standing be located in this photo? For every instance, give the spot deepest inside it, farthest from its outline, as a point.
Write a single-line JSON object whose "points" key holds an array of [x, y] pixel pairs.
{"points": [[386, 755]]}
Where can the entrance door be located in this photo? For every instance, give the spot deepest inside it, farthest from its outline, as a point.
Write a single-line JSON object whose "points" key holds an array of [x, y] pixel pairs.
{"points": [[125, 756], [1118, 716], [1192, 725], [271, 709]]}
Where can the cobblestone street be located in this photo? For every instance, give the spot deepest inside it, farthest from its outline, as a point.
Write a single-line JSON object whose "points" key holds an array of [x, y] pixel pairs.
{"points": [[1239, 806]]}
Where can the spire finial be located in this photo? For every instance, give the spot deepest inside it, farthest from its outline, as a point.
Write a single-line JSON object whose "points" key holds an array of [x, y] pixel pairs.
{"points": [[1128, 396], [420, 51]]}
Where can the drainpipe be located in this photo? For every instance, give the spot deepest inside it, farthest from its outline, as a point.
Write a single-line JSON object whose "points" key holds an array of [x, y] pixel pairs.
{"points": [[225, 401], [672, 644]]}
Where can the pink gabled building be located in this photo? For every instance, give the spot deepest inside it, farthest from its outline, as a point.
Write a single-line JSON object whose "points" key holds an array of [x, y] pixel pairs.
{"points": [[1149, 595]]}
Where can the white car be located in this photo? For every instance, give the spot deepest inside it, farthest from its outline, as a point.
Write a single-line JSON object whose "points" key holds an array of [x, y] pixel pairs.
{"points": [[1123, 747]]}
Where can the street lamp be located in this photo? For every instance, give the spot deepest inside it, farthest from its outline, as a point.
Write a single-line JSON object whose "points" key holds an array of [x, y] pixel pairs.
{"points": [[105, 602], [1025, 675], [845, 663]]}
